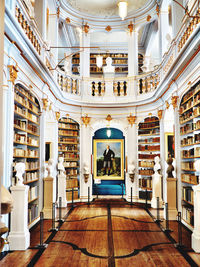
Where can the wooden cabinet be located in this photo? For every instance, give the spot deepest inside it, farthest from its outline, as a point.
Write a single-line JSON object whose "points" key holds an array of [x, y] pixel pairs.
{"points": [[68, 147], [148, 149], [190, 149], [26, 145]]}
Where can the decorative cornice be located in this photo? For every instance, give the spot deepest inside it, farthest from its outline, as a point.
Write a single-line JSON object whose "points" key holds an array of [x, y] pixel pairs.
{"points": [[13, 73], [86, 120], [131, 119]]}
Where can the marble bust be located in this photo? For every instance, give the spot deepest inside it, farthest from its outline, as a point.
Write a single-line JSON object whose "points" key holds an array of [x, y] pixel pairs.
{"points": [[131, 168], [109, 68], [157, 166], [20, 169], [49, 168]]}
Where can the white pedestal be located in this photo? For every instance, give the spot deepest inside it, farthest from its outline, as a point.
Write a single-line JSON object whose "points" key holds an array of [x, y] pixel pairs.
{"points": [[196, 232], [48, 197], [156, 191], [171, 198], [62, 190], [19, 236], [130, 185]]}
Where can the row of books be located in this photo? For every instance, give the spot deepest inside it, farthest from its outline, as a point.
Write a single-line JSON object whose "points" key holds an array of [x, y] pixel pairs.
{"points": [[28, 115], [147, 164], [145, 183], [147, 156], [193, 152], [23, 138], [191, 92], [26, 103], [71, 126], [70, 164], [149, 131], [32, 212], [32, 193], [146, 172], [67, 147], [148, 125], [189, 127], [149, 140], [30, 176], [188, 194], [71, 172], [188, 215], [67, 132], [189, 178], [72, 183], [69, 195], [189, 165], [190, 140], [19, 152], [67, 140], [24, 92], [189, 115], [66, 120], [149, 148]]}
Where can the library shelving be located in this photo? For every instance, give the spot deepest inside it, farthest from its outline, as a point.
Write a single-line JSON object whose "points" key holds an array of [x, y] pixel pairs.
{"points": [[190, 149], [119, 61], [148, 149], [68, 147], [26, 145]]}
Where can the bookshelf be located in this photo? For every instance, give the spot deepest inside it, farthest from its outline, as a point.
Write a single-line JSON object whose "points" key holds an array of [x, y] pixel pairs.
{"points": [[119, 60], [148, 149], [68, 147], [190, 149], [26, 145]]}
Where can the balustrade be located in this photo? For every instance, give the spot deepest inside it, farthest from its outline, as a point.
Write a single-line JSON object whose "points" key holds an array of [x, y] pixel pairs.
{"points": [[68, 84], [98, 88]]}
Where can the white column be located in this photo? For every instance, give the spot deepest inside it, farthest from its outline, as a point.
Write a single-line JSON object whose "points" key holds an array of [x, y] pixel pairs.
{"points": [[19, 236], [133, 53], [131, 145], [162, 155], [85, 159], [177, 16], [196, 232], [62, 190], [85, 55], [2, 11], [163, 29], [40, 8]]}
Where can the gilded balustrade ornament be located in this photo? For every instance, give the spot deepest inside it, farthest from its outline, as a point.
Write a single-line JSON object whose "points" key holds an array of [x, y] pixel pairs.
{"points": [[13, 73], [57, 115], [131, 119], [45, 103], [86, 120], [160, 113], [174, 101]]}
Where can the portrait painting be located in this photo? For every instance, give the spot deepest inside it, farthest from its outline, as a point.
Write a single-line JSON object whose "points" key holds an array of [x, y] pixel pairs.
{"points": [[169, 145], [109, 159]]}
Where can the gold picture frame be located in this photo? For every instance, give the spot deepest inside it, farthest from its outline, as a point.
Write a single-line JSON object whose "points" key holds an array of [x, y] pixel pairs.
{"points": [[116, 170], [169, 145]]}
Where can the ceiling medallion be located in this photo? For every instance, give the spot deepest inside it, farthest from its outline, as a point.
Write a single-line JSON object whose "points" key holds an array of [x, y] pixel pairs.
{"points": [[108, 28]]}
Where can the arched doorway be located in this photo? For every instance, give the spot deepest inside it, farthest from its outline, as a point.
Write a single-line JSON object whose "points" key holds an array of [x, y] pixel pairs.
{"points": [[108, 162]]}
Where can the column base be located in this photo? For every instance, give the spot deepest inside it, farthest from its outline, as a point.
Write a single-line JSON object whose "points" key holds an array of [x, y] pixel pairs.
{"points": [[19, 241], [154, 203], [48, 213], [196, 241], [134, 198], [85, 198], [172, 214], [63, 204]]}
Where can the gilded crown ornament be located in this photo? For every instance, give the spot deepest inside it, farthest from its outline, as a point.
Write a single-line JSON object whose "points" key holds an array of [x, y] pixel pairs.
{"points": [[86, 120], [131, 119], [174, 101]]}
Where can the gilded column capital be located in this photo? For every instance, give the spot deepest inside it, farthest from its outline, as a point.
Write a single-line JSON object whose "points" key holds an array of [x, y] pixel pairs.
{"points": [[160, 113], [45, 103], [86, 120], [131, 27], [57, 115], [174, 101], [13, 73], [131, 119], [86, 28]]}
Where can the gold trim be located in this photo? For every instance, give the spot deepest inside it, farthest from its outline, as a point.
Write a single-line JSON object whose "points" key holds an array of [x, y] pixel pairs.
{"points": [[57, 115], [121, 141], [131, 119], [86, 120], [13, 73]]}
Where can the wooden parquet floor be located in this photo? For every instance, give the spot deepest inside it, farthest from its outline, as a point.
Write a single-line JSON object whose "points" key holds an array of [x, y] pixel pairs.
{"points": [[106, 233]]}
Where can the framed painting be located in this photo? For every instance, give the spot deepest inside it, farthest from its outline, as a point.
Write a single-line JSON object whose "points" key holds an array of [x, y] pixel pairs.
{"points": [[169, 145], [109, 159]]}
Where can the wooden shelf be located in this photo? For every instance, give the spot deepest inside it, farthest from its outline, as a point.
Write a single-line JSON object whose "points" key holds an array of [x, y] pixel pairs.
{"points": [[31, 181], [183, 181], [26, 97], [155, 134], [68, 129], [187, 202], [32, 200], [24, 117]]}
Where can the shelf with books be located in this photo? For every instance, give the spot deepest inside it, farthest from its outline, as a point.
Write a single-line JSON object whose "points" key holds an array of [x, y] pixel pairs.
{"points": [[68, 148], [190, 149], [26, 142], [148, 149]]}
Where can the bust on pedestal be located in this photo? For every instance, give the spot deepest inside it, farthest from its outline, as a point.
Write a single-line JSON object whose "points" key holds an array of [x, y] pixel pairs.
{"points": [[48, 190], [61, 183], [109, 74], [19, 236], [156, 184]]}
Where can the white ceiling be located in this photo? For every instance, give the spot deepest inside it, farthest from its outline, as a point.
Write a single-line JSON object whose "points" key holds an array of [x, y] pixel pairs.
{"points": [[105, 8]]}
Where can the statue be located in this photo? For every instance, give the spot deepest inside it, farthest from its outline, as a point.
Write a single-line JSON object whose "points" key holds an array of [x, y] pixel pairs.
{"points": [[131, 170], [170, 168], [61, 168], [20, 169], [49, 168], [157, 166], [109, 68]]}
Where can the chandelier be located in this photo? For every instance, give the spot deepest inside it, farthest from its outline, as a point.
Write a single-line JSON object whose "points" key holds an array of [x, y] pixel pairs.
{"points": [[122, 5]]}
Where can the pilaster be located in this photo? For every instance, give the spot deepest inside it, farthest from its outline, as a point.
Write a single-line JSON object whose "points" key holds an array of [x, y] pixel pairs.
{"points": [[133, 53], [85, 54]]}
